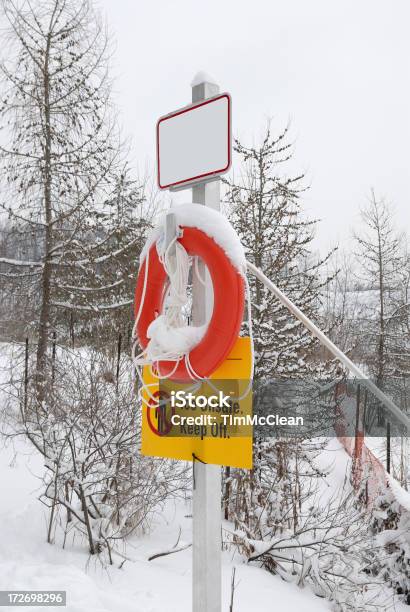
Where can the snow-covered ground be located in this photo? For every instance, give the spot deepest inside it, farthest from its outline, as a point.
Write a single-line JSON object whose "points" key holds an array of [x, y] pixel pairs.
{"points": [[162, 585], [136, 584]]}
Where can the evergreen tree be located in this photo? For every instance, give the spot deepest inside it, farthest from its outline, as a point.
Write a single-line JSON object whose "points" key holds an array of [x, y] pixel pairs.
{"points": [[100, 272], [62, 167], [265, 209]]}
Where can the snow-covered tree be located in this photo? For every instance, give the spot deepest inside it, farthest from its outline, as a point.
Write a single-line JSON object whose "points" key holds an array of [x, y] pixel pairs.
{"points": [[342, 304], [383, 336], [390, 523], [265, 209], [96, 485], [383, 274], [99, 275], [62, 164]]}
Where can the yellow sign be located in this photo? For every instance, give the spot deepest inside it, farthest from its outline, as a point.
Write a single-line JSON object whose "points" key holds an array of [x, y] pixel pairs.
{"points": [[221, 436]]}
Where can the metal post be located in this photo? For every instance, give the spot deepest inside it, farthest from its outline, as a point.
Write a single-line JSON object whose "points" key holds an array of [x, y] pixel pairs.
{"points": [[206, 510]]}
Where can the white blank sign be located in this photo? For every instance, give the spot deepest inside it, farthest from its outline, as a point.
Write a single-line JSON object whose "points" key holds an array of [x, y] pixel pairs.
{"points": [[194, 143]]}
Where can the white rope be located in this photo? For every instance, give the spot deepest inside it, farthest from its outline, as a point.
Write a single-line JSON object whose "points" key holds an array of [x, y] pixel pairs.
{"points": [[201, 280], [139, 359], [177, 268], [176, 263], [169, 334]]}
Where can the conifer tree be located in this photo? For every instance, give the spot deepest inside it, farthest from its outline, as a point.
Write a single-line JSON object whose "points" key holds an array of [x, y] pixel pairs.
{"points": [[383, 272], [265, 209], [62, 163]]}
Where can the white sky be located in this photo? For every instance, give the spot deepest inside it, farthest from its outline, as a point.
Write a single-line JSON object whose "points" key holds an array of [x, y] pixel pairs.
{"points": [[339, 70]]}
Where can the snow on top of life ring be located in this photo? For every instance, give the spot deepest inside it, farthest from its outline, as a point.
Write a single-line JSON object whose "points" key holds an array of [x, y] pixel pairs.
{"points": [[211, 222]]}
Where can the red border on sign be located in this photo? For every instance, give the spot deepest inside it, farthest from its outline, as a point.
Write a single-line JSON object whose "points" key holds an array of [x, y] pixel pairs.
{"points": [[151, 407], [187, 110]]}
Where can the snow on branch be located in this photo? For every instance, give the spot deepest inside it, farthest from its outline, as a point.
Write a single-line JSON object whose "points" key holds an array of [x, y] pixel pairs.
{"points": [[92, 308], [18, 262]]}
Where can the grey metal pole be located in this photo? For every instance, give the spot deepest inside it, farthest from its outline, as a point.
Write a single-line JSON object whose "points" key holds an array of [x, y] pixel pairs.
{"points": [[206, 497]]}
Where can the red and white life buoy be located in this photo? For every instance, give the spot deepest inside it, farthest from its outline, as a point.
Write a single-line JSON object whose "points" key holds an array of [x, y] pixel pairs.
{"points": [[229, 297]]}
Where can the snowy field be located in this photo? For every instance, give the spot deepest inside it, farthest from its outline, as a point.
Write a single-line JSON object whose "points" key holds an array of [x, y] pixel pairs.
{"points": [[164, 584], [133, 583]]}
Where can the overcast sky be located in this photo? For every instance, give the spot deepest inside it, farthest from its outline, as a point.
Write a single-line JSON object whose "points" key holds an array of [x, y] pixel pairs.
{"points": [[339, 70]]}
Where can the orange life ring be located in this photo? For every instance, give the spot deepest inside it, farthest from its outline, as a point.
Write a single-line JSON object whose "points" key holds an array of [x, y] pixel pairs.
{"points": [[227, 315]]}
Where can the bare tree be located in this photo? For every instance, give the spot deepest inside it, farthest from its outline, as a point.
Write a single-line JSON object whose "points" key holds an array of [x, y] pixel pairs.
{"points": [[332, 550], [96, 483], [380, 257], [62, 163]]}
